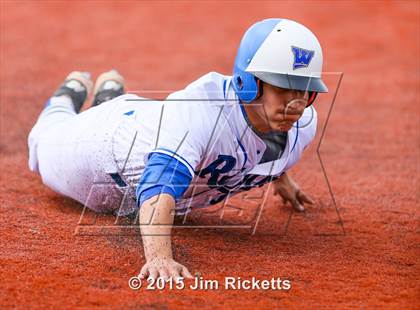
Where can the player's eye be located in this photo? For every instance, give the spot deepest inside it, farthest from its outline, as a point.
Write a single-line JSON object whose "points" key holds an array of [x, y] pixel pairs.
{"points": [[301, 94]]}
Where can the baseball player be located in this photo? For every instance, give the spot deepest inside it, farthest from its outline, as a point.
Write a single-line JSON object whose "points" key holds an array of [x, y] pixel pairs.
{"points": [[218, 136]]}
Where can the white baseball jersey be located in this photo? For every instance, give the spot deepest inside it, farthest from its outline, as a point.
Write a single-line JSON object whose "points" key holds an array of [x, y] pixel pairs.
{"points": [[97, 157]]}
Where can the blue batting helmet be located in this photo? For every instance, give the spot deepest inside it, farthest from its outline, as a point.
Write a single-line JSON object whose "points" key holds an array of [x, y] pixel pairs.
{"points": [[279, 52]]}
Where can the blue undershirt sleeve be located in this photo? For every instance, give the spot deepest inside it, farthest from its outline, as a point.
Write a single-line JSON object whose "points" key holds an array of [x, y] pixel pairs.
{"points": [[163, 174]]}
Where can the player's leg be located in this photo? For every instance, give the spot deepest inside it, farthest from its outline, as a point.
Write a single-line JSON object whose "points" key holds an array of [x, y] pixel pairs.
{"points": [[108, 85], [65, 103], [74, 153]]}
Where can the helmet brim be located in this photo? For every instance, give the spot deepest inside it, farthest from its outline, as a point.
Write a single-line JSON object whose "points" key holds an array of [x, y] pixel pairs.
{"points": [[289, 81]]}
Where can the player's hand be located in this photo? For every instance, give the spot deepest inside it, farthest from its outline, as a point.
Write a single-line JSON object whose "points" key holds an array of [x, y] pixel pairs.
{"points": [[164, 268], [290, 191]]}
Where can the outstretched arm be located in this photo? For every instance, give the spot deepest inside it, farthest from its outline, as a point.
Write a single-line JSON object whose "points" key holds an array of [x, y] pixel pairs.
{"points": [[290, 191], [164, 180], [156, 219]]}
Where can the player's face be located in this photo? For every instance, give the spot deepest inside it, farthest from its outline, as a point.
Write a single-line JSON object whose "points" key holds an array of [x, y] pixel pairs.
{"points": [[278, 108]]}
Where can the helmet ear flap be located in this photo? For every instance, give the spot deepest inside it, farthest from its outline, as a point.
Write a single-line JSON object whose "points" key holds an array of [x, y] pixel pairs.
{"points": [[245, 85], [239, 82]]}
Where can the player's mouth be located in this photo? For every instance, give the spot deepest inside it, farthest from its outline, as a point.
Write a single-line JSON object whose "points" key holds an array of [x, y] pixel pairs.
{"points": [[283, 126]]}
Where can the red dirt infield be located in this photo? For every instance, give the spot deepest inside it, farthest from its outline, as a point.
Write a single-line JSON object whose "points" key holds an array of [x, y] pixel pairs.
{"points": [[369, 151]]}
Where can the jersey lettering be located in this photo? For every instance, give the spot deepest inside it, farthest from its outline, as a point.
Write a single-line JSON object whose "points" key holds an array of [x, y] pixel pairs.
{"points": [[220, 182]]}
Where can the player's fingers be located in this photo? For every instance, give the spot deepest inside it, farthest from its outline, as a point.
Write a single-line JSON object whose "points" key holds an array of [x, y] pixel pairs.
{"points": [[285, 197], [278, 192], [164, 274], [185, 273], [174, 273], [153, 273], [303, 197], [144, 272], [297, 205]]}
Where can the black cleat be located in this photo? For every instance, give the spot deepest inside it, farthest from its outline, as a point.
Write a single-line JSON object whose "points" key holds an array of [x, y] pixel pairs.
{"points": [[77, 85], [108, 86]]}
